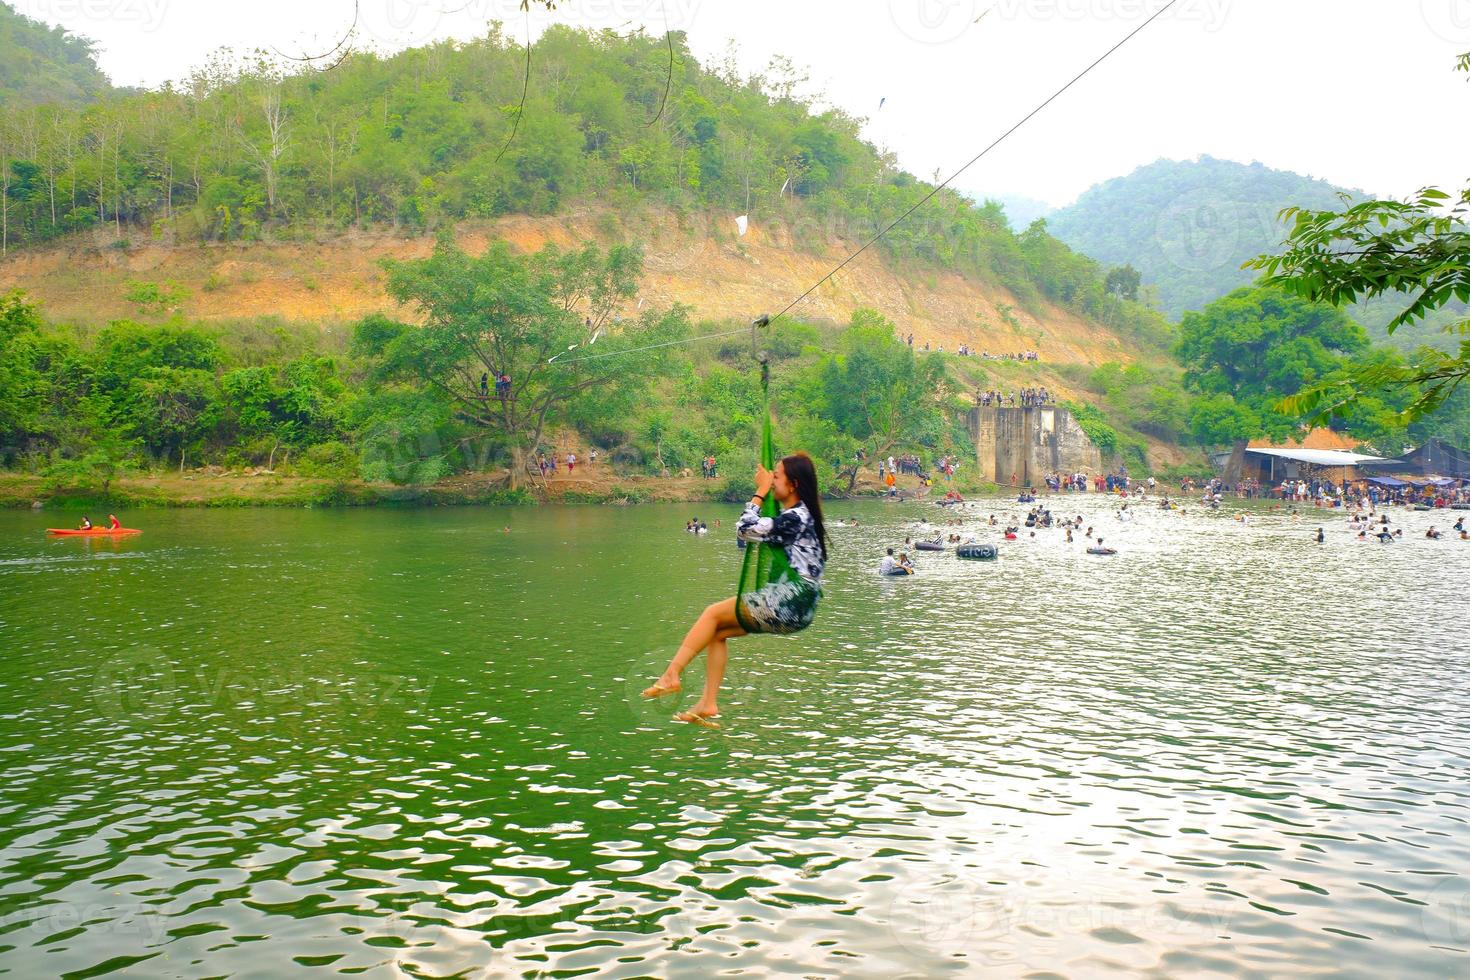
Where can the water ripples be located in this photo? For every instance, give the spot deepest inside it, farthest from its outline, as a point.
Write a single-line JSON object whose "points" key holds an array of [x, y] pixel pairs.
{"points": [[407, 741]]}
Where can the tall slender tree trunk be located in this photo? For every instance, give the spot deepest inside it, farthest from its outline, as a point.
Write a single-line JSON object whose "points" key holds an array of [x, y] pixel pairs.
{"points": [[517, 463], [117, 182], [4, 192], [102, 181], [1235, 466]]}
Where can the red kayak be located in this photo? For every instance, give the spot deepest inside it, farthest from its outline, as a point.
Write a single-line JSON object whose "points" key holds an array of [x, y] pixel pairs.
{"points": [[94, 532]]}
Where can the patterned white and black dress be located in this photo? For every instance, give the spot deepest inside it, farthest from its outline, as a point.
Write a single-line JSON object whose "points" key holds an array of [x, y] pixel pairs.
{"points": [[787, 605]]}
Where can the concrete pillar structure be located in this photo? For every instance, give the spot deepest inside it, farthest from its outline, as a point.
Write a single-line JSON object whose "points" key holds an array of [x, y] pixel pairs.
{"points": [[1029, 443]]}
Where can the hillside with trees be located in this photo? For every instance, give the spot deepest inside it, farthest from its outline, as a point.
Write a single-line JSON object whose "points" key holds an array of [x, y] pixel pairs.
{"points": [[319, 273], [1188, 227], [41, 64], [246, 151]]}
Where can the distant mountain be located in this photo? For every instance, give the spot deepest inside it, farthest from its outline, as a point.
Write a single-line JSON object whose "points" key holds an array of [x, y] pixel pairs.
{"points": [[1187, 226], [45, 64], [1021, 210]]}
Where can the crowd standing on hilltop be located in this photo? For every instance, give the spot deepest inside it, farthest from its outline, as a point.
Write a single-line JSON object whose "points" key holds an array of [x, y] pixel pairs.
{"points": [[965, 350], [1026, 398]]}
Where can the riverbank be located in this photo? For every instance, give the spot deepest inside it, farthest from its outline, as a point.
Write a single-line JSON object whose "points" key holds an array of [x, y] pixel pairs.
{"points": [[213, 487], [272, 490]]}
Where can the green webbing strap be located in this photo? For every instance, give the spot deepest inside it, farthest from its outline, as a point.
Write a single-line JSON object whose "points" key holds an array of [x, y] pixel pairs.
{"points": [[764, 563]]}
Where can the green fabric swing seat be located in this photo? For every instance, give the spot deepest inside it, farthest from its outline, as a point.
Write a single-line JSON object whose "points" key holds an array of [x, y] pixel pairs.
{"points": [[771, 597]]}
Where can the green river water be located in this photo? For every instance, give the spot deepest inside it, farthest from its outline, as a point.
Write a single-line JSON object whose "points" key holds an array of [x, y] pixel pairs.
{"points": [[266, 743]]}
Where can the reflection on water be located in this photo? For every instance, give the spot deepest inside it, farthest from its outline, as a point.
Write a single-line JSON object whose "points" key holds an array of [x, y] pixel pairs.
{"points": [[255, 743]]}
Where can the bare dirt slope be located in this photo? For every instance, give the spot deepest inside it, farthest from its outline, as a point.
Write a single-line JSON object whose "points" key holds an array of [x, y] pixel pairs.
{"points": [[696, 262]]}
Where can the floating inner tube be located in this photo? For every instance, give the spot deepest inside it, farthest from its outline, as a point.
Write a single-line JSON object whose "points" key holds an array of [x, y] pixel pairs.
{"points": [[1423, 507], [1102, 551], [899, 571], [977, 552], [928, 546]]}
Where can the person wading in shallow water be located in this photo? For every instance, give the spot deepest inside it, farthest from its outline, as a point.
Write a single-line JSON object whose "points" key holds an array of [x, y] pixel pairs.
{"points": [[783, 606]]}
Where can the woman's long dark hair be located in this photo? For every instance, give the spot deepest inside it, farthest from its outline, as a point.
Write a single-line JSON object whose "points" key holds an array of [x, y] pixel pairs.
{"points": [[802, 473]]}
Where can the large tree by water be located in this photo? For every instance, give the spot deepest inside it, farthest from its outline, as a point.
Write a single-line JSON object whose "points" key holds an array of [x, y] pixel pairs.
{"points": [[873, 395], [503, 314], [1247, 351]]}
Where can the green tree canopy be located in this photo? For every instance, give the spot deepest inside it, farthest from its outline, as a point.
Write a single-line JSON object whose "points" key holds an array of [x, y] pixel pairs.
{"points": [[873, 394], [502, 314], [1250, 349]]}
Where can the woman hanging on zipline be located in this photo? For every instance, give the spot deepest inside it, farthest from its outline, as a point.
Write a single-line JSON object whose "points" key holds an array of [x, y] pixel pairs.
{"points": [[784, 604]]}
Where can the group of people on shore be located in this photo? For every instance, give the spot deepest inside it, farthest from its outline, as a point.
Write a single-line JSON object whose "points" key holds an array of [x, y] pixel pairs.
{"points": [[548, 464], [1100, 483], [1323, 491], [889, 468], [907, 463]]}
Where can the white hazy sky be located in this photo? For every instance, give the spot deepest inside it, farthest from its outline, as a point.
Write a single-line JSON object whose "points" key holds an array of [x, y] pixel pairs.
{"points": [[1360, 92]]}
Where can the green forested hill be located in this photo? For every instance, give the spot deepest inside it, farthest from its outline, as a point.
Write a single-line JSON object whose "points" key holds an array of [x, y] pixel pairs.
{"points": [[433, 135], [45, 64], [1187, 226]]}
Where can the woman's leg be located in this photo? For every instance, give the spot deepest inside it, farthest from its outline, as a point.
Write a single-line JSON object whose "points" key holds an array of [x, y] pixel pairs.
{"points": [[716, 618], [714, 673]]}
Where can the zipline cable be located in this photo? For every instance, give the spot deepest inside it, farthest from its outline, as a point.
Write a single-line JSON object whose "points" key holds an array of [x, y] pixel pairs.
{"points": [[918, 204], [556, 358], [973, 160]]}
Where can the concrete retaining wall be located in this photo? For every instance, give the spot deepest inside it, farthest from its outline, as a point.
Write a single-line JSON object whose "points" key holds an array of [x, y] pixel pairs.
{"points": [[1028, 443]]}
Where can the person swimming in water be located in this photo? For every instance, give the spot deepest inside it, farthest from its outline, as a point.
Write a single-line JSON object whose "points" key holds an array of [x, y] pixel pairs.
{"points": [[784, 606], [1321, 535]]}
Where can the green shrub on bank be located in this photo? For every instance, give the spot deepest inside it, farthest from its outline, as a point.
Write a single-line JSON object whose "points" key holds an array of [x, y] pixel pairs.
{"points": [[737, 489]]}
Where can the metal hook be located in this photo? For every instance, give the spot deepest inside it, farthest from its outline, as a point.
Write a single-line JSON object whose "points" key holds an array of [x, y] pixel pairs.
{"points": [[762, 321]]}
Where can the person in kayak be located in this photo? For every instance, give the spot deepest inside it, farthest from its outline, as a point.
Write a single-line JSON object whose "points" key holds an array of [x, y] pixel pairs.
{"points": [[113, 523], [780, 607], [86, 524]]}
